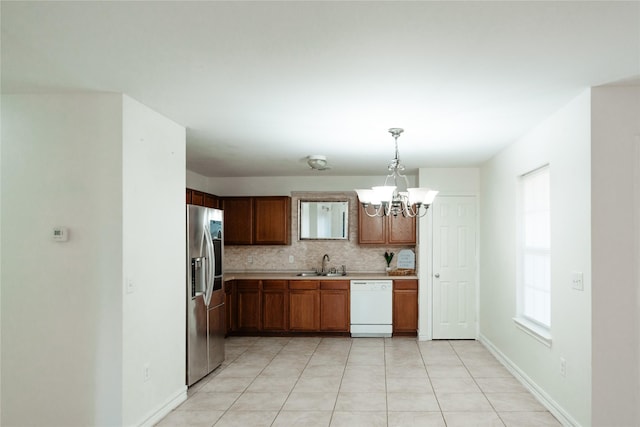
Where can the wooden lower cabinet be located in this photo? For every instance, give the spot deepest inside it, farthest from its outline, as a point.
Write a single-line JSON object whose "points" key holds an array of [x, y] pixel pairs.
{"points": [[275, 305], [304, 305], [405, 307], [307, 306], [334, 306], [248, 305]]}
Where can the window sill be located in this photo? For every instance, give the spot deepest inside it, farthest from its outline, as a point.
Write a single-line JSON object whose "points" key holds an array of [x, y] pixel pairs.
{"points": [[538, 332]]}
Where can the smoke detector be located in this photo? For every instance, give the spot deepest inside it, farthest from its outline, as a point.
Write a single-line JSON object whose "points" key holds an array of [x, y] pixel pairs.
{"points": [[318, 162]]}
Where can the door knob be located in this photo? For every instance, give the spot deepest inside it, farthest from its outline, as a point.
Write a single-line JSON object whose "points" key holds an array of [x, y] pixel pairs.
{"points": [[437, 275]]}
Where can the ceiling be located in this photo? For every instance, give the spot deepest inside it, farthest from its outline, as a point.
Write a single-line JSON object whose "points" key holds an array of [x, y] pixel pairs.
{"points": [[261, 85]]}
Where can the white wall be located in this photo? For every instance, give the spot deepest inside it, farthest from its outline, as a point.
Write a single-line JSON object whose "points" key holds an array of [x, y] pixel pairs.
{"points": [[197, 181], [563, 141], [61, 302], [153, 237], [72, 339], [284, 185], [615, 313], [448, 182]]}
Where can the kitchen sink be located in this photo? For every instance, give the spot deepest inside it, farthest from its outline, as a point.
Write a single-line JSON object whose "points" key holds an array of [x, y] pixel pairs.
{"points": [[314, 274]]}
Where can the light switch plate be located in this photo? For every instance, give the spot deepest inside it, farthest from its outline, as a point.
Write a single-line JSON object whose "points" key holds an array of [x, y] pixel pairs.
{"points": [[577, 281]]}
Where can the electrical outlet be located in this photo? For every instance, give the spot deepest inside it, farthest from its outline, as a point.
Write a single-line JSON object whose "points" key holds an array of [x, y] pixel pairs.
{"points": [[291, 259], [563, 367], [146, 373], [577, 281], [130, 286], [249, 259]]}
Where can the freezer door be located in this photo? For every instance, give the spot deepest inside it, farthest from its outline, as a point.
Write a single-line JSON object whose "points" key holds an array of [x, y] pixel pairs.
{"points": [[216, 336]]}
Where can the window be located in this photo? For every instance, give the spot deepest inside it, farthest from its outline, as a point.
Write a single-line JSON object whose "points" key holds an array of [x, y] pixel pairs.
{"points": [[535, 250]]}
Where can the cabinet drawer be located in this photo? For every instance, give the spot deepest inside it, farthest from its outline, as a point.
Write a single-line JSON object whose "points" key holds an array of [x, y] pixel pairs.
{"points": [[405, 285], [303, 284], [274, 285], [335, 284], [247, 285]]}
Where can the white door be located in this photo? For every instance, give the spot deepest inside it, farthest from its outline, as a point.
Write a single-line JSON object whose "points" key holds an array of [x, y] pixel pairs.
{"points": [[454, 267]]}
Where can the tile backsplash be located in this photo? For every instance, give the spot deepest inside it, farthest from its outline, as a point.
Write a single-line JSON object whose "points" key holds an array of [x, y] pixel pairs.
{"points": [[307, 254]]}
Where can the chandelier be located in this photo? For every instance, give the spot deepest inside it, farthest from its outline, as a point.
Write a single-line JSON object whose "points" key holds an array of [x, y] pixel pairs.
{"points": [[395, 197]]}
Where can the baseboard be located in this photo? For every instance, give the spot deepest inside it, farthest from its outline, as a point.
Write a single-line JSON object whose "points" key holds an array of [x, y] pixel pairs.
{"points": [[547, 401], [167, 407]]}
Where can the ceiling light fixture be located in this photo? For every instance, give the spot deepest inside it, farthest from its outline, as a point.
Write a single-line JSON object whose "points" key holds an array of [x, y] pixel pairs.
{"points": [[318, 162], [391, 199]]}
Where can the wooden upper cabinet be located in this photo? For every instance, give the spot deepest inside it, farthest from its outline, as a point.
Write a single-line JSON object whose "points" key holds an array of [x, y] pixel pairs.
{"points": [[200, 198], [257, 220], [371, 230], [401, 230], [387, 230], [211, 201], [238, 220], [197, 198], [271, 220]]}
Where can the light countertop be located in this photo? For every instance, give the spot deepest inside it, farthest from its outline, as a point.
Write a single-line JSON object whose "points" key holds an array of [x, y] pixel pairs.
{"points": [[292, 275]]}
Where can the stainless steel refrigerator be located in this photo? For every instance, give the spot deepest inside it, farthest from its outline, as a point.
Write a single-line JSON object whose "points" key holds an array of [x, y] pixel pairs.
{"points": [[205, 294]]}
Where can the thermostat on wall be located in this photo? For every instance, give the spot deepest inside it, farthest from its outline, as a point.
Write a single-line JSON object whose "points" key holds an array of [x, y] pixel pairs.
{"points": [[60, 234]]}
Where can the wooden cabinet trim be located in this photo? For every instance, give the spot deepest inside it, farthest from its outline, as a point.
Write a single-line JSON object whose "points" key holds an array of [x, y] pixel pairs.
{"points": [[335, 284], [409, 284], [303, 284]]}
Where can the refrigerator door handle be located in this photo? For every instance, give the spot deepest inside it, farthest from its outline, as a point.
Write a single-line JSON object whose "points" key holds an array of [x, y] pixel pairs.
{"points": [[210, 270]]}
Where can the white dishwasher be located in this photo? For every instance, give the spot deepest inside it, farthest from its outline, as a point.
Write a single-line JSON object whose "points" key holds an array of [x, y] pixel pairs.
{"points": [[371, 308]]}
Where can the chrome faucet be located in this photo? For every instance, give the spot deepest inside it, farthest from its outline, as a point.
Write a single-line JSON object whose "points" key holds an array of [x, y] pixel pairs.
{"points": [[324, 258]]}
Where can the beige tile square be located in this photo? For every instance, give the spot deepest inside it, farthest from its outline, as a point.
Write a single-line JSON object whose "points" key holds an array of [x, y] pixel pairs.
{"points": [[489, 371], [415, 419], [454, 385], [238, 371], [464, 402], [268, 384], [348, 402], [405, 371], [302, 419], [318, 384], [356, 383], [312, 371], [228, 384], [359, 419], [529, 419], [364, 370], [500, 385], [514, 402], [190, 418], [202, 401], [472, 419], [247, 418], [444, 371], [310, 401], [409, 385], [398, 402], [250, 401]]}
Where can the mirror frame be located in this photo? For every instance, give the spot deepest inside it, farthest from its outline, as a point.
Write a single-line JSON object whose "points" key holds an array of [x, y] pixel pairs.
{"points": [[346, 218]]}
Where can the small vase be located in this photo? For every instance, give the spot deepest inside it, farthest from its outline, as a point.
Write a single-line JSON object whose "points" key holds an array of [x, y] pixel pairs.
{"points": [[388, 269]]}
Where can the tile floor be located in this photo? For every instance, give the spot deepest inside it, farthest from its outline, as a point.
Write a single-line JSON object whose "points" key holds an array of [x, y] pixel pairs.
{"points": [[353, 382]]}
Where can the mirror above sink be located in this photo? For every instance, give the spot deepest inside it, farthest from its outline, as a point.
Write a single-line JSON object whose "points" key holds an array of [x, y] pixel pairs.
{"points": [[323, 220]]}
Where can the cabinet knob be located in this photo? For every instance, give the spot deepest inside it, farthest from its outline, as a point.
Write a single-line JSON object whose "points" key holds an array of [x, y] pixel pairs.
{"points": [[437, 275]]}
